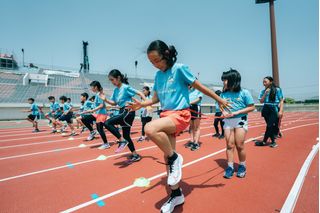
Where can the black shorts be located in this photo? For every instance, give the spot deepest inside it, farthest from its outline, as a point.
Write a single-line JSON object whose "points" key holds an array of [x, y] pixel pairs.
{"points": [[196, 111], [67, 118], [33, 117]]}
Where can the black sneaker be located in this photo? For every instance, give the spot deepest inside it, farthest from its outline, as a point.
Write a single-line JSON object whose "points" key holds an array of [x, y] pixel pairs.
{"points": [[221, 137], [273, 145], [195, 147], [36, 130], [260, 143], [135, 158], [216, 135], [189, 144]]}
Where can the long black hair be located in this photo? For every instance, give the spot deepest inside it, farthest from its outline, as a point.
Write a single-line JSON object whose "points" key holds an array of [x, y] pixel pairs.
{"points": [[234, 80], [148, 90], [169, 53], [273, 89], [96, 84], [116, 73]]}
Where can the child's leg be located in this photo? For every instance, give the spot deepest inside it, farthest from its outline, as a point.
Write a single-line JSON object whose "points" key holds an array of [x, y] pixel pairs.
{"points": [[143, 121], [158, 131], [191, 130], [101, 132], [35, 124], [221, 124], [215, 124], [230, 140], [196, 130], [240, 136], [87, 121]]}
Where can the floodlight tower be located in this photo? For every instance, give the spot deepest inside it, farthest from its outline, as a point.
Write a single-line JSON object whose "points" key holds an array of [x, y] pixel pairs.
{"points": [[85, 57], [275, 67]]}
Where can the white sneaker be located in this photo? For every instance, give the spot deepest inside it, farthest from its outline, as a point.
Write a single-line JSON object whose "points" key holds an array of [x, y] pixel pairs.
{"points": [[104, 146], [169, 206], [91, 136], [175, 171]]}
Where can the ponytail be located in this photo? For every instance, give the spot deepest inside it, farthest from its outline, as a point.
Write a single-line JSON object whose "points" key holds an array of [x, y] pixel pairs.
{"points": [[116, 74], [169, 53]]}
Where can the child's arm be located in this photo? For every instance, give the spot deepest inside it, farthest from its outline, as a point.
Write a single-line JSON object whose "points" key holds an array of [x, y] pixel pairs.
{"points": [[246, 110], [93, 110], [136, 105], [205, 90], [264, 96], [196, 101], [104, 98]]}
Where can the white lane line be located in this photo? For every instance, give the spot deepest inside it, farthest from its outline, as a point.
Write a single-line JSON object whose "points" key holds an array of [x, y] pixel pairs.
{"points": [[62, 140], [73, 147], [88, 203], [294, 193]]}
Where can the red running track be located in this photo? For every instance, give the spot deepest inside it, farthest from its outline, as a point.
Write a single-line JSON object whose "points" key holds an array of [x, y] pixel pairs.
{"points": [[36, 178]]}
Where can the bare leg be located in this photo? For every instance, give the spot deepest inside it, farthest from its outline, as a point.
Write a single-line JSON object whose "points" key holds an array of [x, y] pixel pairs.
{"points": [[196, 129], [229, 135], [240, 135]]}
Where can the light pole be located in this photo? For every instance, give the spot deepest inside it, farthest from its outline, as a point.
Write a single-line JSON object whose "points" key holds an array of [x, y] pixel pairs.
{"points": [[136, 68], [22, 50], [275, 67]]}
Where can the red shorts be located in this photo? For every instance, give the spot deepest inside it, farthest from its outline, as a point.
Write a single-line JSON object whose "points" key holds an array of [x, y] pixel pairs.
{"points": [[100, 118], [180, 118]]}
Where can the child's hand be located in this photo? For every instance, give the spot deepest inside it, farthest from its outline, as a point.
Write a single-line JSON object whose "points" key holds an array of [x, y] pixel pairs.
{"points": [[225, 105], [267, 90], [136, 105], [102, 96]]}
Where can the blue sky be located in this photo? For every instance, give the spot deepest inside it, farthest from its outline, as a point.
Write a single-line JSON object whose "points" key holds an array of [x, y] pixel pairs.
{"points": [[210, 35]]}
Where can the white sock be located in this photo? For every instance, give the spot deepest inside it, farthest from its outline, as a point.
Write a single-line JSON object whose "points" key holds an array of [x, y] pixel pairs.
{"points": [[243, 163], [230, 164]]}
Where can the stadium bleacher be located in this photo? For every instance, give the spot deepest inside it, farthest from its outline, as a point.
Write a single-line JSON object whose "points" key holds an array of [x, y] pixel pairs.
{"points": [[13, 91]]}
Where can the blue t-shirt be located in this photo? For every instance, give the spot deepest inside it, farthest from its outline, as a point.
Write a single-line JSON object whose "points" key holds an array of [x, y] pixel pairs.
{"points": [[238, 100], [172, 89], [66, 107], [143, 111], [34, 109], [195, 94], [97, 102], [123, 95], [278, 98], [54, 107], [217, 106]]}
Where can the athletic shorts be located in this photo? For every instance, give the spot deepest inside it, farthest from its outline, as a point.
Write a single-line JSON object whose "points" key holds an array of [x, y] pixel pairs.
{"points": [[195, 111], [67, 118], [100, 118], [55, 116], [181, 119], [33, 117], [233, 123]]}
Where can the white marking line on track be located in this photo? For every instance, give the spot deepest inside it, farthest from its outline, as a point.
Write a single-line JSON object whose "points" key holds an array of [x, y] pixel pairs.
{"points": [[88, 203], [294, 193], [62, 140]]}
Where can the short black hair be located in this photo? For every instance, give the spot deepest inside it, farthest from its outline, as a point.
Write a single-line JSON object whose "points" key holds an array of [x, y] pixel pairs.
{"points": [[51, 98], [31, 99], [96, 84], [218, 92], [85, 95], [234, 80], [92, 98], [69, 99], [63, 98]]}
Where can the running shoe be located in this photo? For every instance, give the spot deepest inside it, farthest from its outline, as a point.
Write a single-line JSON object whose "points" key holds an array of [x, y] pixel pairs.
{"points": [[273, 145], [134, 158], [260, 143], [73, 134], [173, 201], [36, 130], [221, 137], [91, 136], [104, 146], [175, 171], [216, 135], [54, 131], [228, 172], [122, 145], [142, 138], [242, 171], [189, 144], [195, 147]]}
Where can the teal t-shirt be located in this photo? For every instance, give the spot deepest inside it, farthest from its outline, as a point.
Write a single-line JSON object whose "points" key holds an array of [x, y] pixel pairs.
{"points": [[123, 95]]}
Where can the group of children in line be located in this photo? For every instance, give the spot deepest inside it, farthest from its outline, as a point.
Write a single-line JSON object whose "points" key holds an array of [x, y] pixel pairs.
{"points": [[180, 94]]}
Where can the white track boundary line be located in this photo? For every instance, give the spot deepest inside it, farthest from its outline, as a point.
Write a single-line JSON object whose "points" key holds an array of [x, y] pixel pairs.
{"points": [[294, 193], [80, 206]]}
